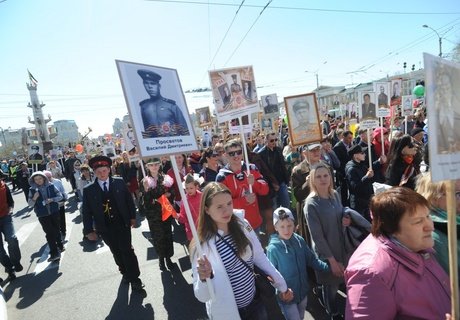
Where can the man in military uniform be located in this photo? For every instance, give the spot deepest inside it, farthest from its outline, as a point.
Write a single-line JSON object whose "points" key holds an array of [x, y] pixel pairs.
{"points": [[161, 116], [108, 210], [270, 107], [35, 153], [305, 128], [235, 87]]}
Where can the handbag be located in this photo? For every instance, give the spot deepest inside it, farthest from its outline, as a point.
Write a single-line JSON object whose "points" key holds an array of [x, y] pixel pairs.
{"points": [[264, 288]]}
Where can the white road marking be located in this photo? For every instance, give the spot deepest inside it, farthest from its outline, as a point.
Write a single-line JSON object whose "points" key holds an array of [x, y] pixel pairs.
{"points": [[23, 233], [43, 263]]}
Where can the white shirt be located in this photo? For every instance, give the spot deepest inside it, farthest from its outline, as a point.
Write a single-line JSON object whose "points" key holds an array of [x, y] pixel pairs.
{"points": [[101, 184]]}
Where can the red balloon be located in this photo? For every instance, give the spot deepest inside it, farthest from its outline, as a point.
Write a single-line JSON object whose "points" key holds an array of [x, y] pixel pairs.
{"points": [[79, 148]]}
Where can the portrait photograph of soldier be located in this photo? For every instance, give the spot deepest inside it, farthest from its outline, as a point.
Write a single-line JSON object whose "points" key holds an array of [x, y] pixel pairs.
{"points": [[234, 92], [368, 108], [303, 119], [396, 92], [157, 108], [34, 153], [381, 90], [406, 106], [109, 151], [203, 116], [442, 80], [270, 103], [161, 116]]}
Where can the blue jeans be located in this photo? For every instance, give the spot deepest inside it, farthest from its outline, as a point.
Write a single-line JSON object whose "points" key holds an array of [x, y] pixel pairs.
{"points": [[294, 311], [282, 197], [14, 257]]}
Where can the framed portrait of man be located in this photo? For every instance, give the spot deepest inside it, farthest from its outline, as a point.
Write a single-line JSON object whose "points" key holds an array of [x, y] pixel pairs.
{"points": [[303, 119], [442, 79], [157, 107], [270, 104], [35, 154], [368, 109], [406, 106], [395, 99], [203, 116], [234, 92]]}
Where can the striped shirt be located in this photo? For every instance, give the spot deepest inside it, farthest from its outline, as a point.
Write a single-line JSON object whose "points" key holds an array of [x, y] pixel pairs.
{"points": [[241, 279]]}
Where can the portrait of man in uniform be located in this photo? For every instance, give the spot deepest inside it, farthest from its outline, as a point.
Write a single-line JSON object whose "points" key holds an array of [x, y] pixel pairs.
{"points": [[161, 116], [447, 103], [35, 153], [382, 98], [270, 104], [235, 87], [303, 119]]}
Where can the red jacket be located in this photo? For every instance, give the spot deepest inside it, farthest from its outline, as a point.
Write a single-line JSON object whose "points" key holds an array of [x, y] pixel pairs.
{"points": [[194, 202], [6, 200], [237, 182]]}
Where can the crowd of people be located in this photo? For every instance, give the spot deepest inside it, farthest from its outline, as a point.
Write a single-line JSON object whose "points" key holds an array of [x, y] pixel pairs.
{"points": [[285, 210]]}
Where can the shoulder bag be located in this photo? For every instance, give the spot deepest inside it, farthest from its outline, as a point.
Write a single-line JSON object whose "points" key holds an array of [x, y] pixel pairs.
{"points": [[264, 287]]}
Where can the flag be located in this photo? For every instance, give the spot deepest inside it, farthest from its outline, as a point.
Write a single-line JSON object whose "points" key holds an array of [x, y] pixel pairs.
{"points": [[32, 79]]}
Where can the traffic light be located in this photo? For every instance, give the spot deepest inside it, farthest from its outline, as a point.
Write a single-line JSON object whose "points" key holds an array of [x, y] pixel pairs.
{"points": [[404, 65], [413, 67]]}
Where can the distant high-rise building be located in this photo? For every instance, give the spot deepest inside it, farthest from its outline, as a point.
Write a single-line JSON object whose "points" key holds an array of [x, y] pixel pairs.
{"points": [[67, 132]]}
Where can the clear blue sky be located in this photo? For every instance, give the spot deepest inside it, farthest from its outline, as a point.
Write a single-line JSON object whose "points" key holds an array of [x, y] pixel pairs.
{"points": [[70, 47]]}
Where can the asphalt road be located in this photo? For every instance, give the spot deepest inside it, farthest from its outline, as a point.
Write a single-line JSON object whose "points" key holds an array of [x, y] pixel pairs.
{"points": [[86, 284]]}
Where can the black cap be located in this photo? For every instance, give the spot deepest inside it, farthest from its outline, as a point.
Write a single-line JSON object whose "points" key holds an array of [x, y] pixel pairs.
{"points": [[153, 160], [149, 75], [100, 161], [234, 76], [35, 148], [354, 150]]}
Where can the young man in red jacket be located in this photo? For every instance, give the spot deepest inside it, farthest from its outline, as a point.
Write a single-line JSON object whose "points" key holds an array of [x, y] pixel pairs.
{"points": [[235, 176]]}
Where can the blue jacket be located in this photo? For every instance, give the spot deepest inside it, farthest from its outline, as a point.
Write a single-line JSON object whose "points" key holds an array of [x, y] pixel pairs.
{"points": [[47, 191], [291, 258]]}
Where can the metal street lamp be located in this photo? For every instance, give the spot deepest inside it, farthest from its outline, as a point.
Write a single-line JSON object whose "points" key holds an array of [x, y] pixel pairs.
{"points": [[439, 37]]}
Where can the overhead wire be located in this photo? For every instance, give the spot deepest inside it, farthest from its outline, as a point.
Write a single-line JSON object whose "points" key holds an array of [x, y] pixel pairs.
{"points": [[249, 30], [307, 9]]}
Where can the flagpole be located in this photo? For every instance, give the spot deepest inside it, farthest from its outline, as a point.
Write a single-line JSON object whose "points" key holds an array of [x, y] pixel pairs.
{"points": [[190, 219], [245, 149]]}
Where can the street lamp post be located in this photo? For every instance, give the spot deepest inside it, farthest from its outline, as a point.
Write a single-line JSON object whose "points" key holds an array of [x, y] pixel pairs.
{"points": [[439, 38], [317, 81]]}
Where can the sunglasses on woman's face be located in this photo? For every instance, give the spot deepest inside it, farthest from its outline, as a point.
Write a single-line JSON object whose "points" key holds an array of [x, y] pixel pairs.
{"points": [[235, 153]]}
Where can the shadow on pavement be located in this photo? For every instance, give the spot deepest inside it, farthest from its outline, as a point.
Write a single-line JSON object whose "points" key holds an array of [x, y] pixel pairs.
{"points": [[130, 307], [179, 300], [31, 286], [90, 246], [23, 213]]}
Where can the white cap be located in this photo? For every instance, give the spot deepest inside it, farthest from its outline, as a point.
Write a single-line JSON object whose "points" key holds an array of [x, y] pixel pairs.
{"points": [[281, 213]]}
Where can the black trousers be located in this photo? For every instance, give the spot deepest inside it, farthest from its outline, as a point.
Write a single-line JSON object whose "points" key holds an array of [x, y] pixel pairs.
{"points": [[62, 224], [118, 238], [50, 225]]}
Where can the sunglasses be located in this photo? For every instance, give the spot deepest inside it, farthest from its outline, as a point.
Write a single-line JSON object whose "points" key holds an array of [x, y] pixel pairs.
{"points": [[273, 140], [235, 153]]}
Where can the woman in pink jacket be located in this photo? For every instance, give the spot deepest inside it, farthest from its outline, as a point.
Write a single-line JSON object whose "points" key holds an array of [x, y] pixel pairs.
{"points": [[393, 274]]}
